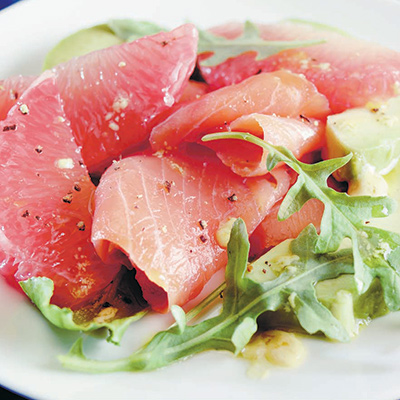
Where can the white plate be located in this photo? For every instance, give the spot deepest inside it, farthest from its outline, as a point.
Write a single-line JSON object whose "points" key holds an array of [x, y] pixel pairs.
{"points": [[368, 368]]}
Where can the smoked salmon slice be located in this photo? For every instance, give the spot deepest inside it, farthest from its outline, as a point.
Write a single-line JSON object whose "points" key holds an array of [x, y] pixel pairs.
{"points": [[45, 222], [348, 71], [246, 159], [281, 93], [272, 231], [172, 216]]}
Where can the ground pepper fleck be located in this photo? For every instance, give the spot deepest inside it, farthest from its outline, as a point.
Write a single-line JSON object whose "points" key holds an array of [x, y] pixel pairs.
{"points": [[9, 128], [39, 149], [167, 186], [25, 214], [77, 188], [203, 224], [13, 95], [81, 225], [233, 197], [68, 198], [305, 118], [203, 238]]}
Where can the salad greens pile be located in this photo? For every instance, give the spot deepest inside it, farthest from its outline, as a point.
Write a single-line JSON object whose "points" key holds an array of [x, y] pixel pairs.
{"points": [[315, 258]]}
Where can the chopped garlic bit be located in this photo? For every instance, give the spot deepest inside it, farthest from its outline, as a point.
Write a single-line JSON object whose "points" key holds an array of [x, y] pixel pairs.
{"points": [[164, 229], [324, 66], [113, 126], [24, 109], [276, 347], [178, 168], [305, 63], [159, 153], [108, 116], [122, 64], [120, 103], [105, 315], [224, 232], [65, 163], [284, 349], [60, 119]]}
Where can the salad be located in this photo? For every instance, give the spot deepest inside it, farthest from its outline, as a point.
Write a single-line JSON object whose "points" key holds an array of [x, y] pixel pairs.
{"points": [[323, 288]]}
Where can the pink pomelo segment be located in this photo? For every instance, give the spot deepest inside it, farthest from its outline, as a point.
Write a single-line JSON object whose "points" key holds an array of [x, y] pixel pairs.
{"points": [[45, 223], [281, 93], [271, 231], [348, 71], [112, 95], [164, 214], [10, 90], [300, 136]]}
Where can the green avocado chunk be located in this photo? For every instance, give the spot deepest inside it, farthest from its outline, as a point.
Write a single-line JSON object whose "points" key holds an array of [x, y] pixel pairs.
{"points": [[338, 295], [80, 43], [372, 134]]}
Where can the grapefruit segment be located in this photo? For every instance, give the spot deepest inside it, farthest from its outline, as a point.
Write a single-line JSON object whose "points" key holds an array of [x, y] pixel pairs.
{"points": [[281, 93], [348, 71], [10, 90], [300, 136], [45, 220], [171, 216], [112, 95]]}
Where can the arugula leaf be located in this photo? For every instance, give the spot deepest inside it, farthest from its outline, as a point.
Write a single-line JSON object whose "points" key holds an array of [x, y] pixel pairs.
{"points": [[92, 317], [250, 40], [243, 301], [129, 29], [344, 216]]}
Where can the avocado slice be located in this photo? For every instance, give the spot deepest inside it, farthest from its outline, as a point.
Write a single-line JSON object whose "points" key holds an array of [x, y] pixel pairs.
{"points": [[372, 134], [80, 43]]}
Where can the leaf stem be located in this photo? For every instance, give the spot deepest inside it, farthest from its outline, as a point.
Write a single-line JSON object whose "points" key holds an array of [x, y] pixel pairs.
{"points": [[195, 311]]}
